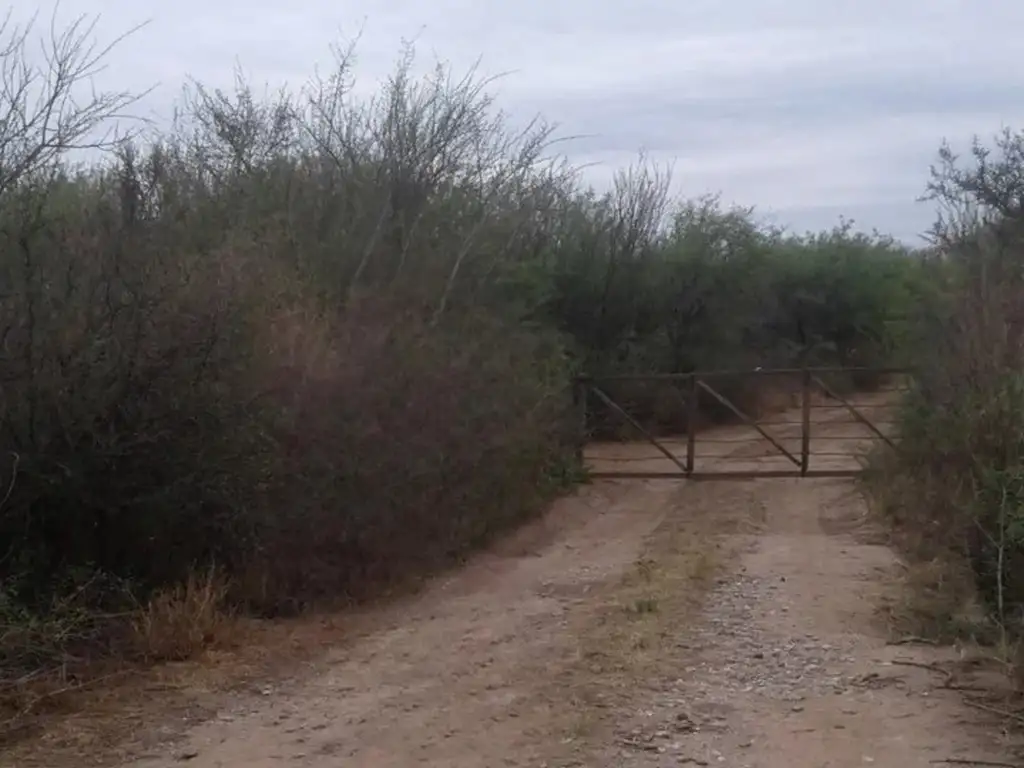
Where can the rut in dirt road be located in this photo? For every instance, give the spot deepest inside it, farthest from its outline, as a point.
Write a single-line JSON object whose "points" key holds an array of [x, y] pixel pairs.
{"points": [[641, 623], [788, 665]]}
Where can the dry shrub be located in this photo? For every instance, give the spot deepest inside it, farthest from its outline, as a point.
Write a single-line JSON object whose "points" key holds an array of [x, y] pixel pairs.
{"points": [[963, 446], [403, 444], [140, 472], [955, 489], [938, 598], [179, 622], [190, 377]]}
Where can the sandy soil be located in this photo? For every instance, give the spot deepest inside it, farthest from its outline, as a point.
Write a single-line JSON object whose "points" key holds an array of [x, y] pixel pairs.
{"points": [[641, 623]]}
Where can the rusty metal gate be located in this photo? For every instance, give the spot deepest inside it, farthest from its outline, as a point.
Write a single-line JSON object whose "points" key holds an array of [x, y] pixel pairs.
{"points": [[826, 421]]}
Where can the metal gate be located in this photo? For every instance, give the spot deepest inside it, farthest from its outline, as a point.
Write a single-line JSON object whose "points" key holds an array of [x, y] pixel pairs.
{"points": [[824, 429]]}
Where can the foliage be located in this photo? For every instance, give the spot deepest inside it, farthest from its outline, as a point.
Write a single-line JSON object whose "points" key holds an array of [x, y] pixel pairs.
{"points": [[324, 344], [961, 462]]}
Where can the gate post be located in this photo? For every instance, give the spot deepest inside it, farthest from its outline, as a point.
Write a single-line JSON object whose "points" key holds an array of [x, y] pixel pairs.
{"points": [[693, 411], [805, 428]]}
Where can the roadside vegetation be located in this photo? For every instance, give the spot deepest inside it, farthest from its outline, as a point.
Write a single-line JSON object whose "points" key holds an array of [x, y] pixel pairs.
{"points": [[955, 488], [298, 348]]}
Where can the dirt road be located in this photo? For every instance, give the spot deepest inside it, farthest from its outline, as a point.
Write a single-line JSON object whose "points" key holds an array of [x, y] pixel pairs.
{"points": [[652, 623]]}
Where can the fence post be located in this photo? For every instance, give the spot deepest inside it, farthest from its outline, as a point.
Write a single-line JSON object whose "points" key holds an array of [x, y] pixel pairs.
{"points": [[693, 411], [579, 401], [805, 431]]}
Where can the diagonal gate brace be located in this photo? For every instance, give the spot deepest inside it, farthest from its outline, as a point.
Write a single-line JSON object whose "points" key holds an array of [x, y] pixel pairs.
{"points": [[750, 422], [856, 414], [639, 427]]}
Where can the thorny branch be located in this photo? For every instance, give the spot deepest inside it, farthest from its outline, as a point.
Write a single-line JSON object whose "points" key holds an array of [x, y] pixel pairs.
{"points": [[43, 111]]}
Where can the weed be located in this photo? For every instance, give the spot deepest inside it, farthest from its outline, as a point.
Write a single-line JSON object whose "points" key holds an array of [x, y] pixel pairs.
{"points": [[180, 622]]}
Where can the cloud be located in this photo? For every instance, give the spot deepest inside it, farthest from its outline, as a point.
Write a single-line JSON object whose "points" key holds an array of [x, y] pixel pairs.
{"points": [[805, 109]]}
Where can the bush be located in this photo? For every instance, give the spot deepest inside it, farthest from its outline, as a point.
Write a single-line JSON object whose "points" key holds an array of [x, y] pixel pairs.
{"points": [[317, 346], [961, 462], [264, 345], [715, 290], [404, 446]]}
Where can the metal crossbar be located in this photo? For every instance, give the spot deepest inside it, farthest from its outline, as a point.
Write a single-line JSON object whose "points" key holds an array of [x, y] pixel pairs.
{"points": [[702, 385]]}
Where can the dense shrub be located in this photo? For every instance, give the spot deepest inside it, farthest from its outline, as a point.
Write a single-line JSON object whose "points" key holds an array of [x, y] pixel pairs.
{"points": [[323, 344], [264, 341], [402, 446], [957, 480], [716, 290]]}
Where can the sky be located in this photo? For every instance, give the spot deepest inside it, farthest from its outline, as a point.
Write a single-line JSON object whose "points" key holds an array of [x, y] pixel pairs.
{"points": [[806, 110]]}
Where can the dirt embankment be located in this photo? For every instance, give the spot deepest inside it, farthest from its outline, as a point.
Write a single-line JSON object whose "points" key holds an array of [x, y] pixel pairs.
{"points": [[641, 623]]}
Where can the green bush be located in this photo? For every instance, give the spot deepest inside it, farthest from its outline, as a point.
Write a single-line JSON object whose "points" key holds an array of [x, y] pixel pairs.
{"points": [[960, 466]]}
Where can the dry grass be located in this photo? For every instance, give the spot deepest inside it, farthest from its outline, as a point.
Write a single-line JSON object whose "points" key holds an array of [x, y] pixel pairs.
{"points": [[179, 623], [129, 698], [934, 600], [182, 649], [935, 597], [188, 629]]}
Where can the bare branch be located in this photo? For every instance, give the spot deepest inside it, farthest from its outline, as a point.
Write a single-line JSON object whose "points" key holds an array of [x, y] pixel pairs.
{"points": [[44, 113]]}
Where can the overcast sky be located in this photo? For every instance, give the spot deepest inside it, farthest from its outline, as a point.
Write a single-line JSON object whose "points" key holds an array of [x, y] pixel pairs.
{"points": [[808, 110]]}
